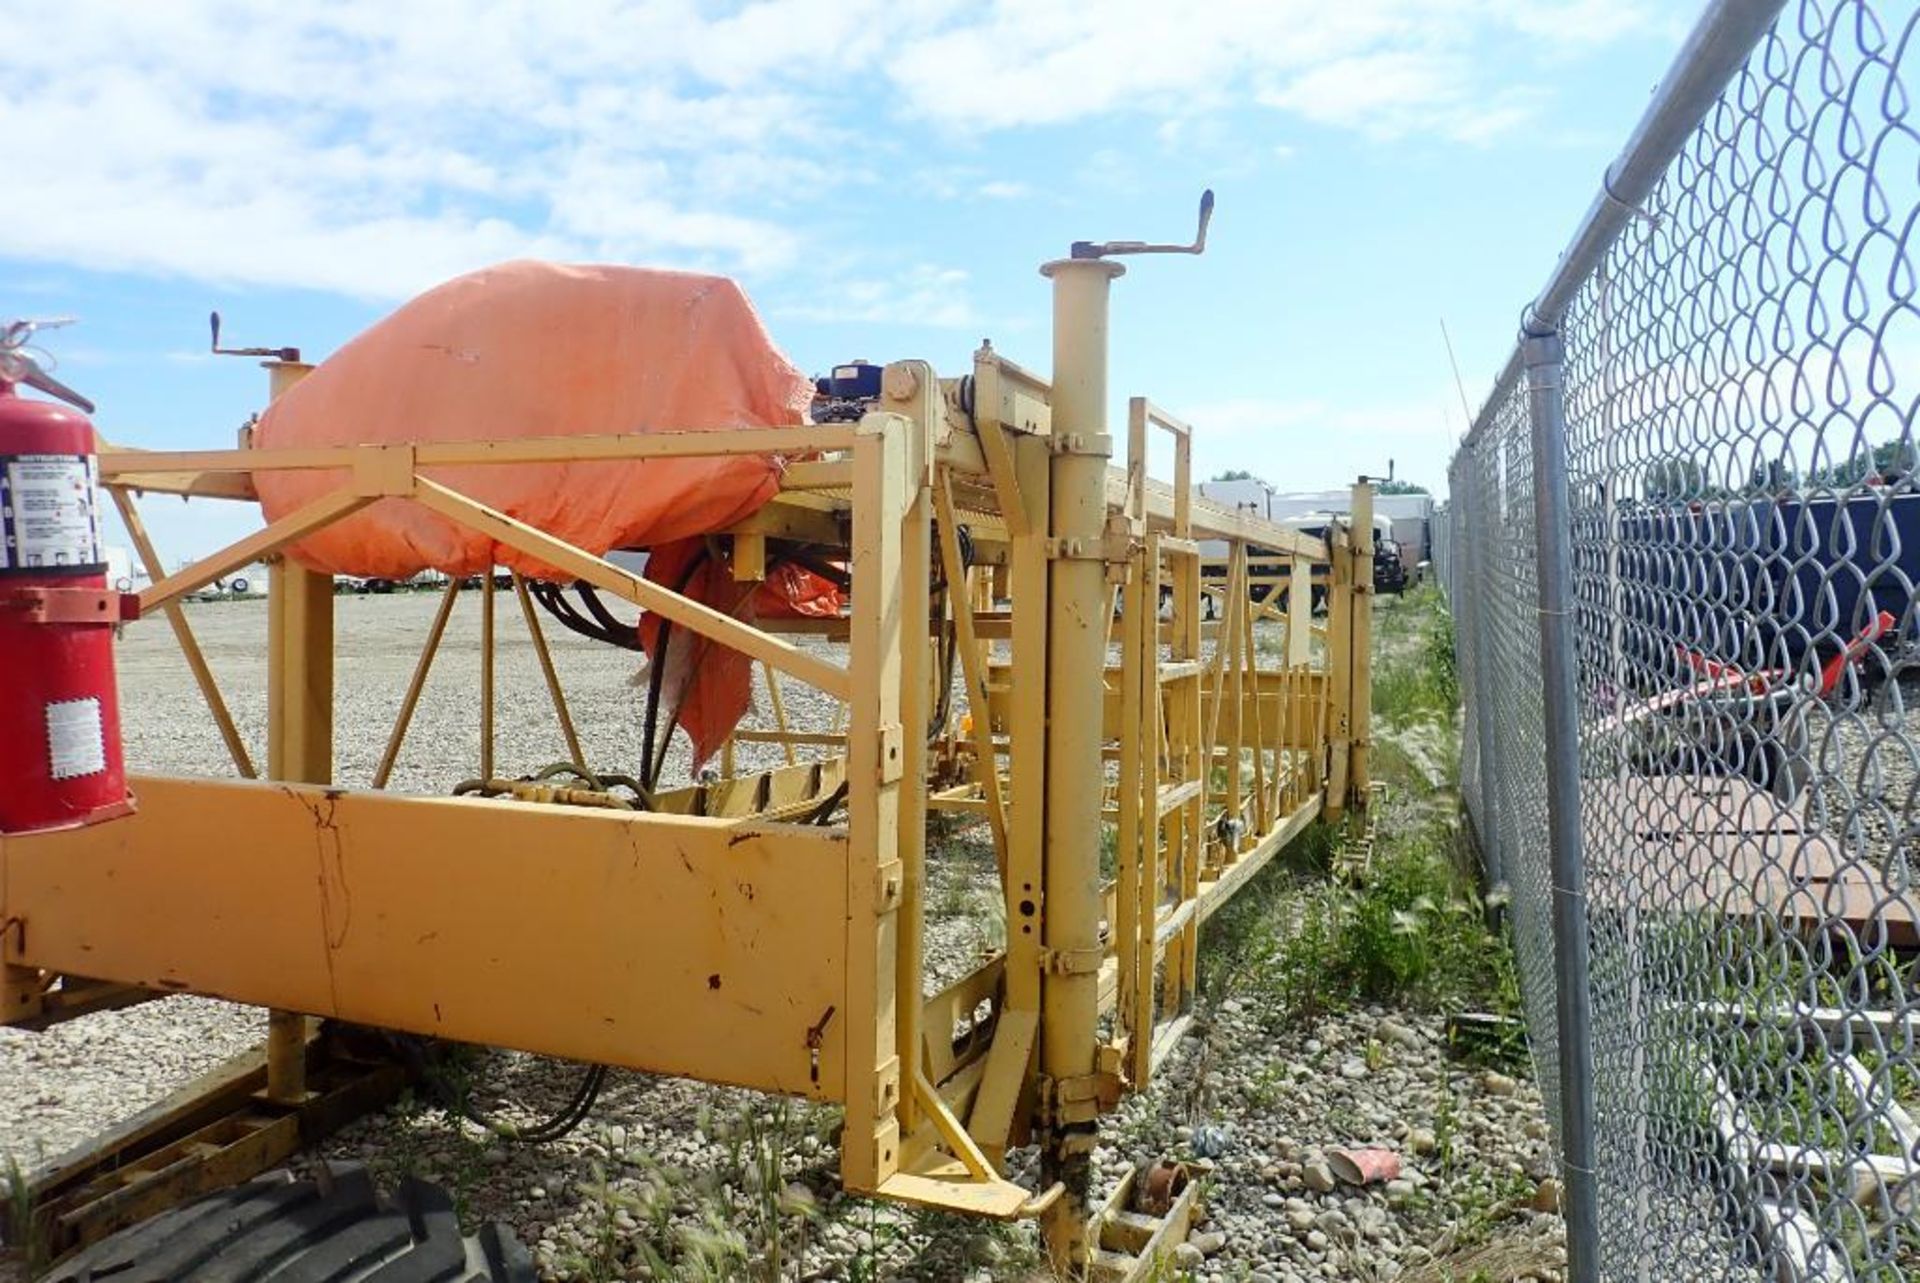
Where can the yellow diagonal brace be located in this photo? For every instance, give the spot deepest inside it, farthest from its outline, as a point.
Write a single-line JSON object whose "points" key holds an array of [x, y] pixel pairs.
{"points": [[683, 611], [324, 511], [183, 633], [986, 764]]}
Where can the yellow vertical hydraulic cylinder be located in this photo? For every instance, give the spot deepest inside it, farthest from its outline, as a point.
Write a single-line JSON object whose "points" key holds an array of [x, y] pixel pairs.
{"points": [[1079, 618], [299, 726]]}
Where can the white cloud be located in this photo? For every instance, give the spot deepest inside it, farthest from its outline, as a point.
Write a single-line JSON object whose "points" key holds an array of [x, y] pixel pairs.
{"points": [[372, 148], [362, 149], [924, 295], [1393, 93], [1040, 62], [964, 182]]}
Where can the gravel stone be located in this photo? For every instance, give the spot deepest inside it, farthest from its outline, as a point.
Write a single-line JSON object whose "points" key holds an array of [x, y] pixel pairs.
{"points": [[663, 1150]]}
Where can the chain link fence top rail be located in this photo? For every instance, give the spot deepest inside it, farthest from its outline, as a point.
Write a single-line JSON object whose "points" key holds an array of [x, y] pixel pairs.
{"points": [[1740, 385]]}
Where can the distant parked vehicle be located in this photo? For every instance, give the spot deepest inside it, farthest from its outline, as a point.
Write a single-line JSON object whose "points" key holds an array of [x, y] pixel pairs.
{"points": [[123, 574], [250, 582]]}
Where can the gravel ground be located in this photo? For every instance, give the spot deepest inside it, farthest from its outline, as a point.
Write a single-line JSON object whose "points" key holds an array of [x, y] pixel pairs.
{"points": [[668, 1162], [1471, 1143]]}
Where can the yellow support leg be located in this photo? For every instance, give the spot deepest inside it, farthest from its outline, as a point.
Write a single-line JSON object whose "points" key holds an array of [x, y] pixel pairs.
{"points": [[299, 730], [1078, 624]]}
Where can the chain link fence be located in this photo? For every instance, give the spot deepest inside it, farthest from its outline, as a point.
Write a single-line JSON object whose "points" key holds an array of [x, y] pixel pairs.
{"points": [[1681, 547]]}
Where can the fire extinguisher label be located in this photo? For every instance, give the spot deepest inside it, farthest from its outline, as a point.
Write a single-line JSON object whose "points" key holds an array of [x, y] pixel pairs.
{"points": [[47, 513], [76, 741]]}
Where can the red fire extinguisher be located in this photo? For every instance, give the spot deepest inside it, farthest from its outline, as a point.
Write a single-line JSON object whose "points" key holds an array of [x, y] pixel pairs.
{"points": [[60, 759]]}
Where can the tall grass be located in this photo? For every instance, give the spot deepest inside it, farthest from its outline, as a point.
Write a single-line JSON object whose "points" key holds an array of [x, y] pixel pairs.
{"points": [[1417, 678], [1412, 931]]}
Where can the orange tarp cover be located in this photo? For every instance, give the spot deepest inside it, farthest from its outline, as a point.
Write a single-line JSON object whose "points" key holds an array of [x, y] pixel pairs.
{"points": [[706, 688], [530, 349]]}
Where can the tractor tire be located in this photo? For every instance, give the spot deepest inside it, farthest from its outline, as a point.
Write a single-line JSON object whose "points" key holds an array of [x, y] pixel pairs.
{"points": [[291, 1230]]}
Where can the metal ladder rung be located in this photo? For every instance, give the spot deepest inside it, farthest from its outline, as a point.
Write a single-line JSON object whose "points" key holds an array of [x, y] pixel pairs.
{"points": [[1174, 796], [1172, 923], [1126, 1232]]}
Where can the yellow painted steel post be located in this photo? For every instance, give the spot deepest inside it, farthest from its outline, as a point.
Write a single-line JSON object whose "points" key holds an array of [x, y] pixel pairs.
{"points": [[1230, 641], [779, 704], [1027, 715], [1008, 1076], [884, 459], [411, 700], [1263, 809], [1138, 683], [912, 390], [1360, 774], [1076, 661], [1339, 667], [299, 727], [486, 675], [1136, 986]]}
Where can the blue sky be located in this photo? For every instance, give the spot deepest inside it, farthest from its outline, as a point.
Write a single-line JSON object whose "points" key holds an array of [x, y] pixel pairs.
{"points": [[885, 180]]}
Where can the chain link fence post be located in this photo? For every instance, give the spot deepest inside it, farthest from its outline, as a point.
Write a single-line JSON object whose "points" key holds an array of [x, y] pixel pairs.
{"points": [[1482, 656], [1553, 559], [1698, 763]]}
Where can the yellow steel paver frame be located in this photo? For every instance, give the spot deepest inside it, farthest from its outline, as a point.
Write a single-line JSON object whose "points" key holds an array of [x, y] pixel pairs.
{"points": [[555, 929], [573, 931]]}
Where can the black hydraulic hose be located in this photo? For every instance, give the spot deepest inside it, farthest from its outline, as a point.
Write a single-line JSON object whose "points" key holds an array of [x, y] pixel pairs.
{"points": [[604, 627], [623, 634], [809, 560], [424, 1058], [570, 1115], [656, 675], [823, 813], [948, 648]]}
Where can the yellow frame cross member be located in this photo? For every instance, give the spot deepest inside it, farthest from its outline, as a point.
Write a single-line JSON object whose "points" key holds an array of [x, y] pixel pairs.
{"points": [[712, 937]]}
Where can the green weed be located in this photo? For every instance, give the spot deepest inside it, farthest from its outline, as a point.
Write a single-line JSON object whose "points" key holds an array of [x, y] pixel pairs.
{"points": [[1412, 933], [22, 1238], [1416, 676]]}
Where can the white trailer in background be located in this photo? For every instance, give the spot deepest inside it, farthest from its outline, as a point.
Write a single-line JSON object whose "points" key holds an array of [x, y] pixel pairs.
{"points": [[124, 574], [1411, 514]]}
